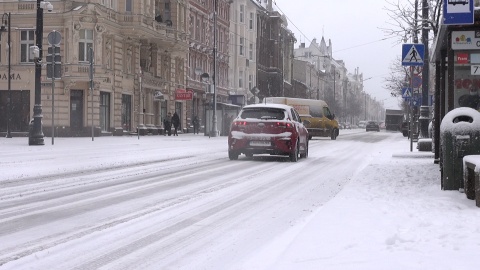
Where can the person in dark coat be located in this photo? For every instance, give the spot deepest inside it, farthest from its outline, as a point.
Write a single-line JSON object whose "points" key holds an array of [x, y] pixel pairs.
{"points": [[175, 123], [167, 123], [196, 124]]}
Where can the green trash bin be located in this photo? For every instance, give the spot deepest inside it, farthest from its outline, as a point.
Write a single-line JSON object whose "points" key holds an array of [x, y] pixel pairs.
{"points": [[459, 136]]}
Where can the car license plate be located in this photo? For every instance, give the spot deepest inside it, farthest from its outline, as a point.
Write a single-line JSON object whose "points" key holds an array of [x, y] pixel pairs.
{"points": [[260, 143]]}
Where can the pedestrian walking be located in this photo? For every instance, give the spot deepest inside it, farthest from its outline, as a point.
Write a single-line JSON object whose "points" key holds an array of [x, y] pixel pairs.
{"points": [[175, 123], [167, 123], [196, 124]]}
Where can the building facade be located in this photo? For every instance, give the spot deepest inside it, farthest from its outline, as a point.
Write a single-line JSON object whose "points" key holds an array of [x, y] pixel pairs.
{"points": [[243, 48], [275, 44], [207, 17], [140, 53]]}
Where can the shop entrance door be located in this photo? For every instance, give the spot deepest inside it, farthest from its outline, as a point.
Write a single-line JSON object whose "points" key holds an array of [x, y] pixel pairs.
{"points": [[76, 109]]}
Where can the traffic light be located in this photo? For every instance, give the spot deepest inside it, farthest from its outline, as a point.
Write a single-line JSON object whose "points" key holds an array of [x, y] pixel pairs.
{"points": [[58, 63]]}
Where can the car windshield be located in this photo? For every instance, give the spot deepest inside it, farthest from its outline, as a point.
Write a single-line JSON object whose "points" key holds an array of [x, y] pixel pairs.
{"points": [[372, 123], [263, 113]]}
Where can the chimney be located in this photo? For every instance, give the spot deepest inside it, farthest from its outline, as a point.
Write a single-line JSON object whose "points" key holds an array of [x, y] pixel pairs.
{"points": [[269, 5]]}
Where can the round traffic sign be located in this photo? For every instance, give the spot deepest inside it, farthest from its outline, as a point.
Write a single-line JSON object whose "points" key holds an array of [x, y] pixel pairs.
{"points": [[54, 38]]}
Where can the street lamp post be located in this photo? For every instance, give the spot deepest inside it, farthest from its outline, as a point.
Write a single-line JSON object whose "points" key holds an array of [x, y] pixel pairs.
{"points": [[35, 136], [214, 131], [7, 22]]}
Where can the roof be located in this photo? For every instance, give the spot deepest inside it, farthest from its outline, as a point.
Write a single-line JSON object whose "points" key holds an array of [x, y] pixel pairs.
{"points": [[395, 112], [268, 105]]}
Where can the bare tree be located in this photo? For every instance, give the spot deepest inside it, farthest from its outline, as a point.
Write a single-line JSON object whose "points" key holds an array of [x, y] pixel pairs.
{"points": [[405, 22]]}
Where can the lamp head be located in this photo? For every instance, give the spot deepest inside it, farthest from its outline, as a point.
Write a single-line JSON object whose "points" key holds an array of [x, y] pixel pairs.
{"points": [[46, 5], [205, 77]]}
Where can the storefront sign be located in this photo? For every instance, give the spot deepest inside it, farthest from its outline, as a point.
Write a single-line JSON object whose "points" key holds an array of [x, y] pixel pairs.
{"points": [[157, 95], [462, 58], [466, 40], [181, 94], [13, 76]]}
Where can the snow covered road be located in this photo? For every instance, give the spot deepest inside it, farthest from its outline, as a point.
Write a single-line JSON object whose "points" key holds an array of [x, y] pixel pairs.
{"points": [[161, 202]]}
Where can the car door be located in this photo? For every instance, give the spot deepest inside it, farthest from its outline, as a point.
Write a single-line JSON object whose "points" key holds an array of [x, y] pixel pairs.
{"points": [[301, 129], [329, 121]]}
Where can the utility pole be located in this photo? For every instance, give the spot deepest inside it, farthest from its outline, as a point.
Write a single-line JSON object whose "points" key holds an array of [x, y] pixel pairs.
{"points": [[214, 131], [35, 136], [424, 109]]}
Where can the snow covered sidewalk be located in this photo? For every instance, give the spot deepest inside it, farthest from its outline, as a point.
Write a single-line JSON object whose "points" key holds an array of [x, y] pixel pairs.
{"points": [[392, 215]]}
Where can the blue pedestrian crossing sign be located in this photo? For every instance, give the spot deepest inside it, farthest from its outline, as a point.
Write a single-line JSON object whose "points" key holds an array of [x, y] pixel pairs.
{"points": [[406, 93], [412, 54]]}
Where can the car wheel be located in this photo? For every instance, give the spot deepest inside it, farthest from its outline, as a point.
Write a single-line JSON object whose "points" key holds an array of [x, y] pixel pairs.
{"points": [[232, 155], [249, 155], [305, 155], [333, 136], [294, 156]]}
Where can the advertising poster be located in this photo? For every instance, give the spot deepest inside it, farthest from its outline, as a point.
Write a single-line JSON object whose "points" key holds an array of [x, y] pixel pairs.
{"points": [[467, 89]]}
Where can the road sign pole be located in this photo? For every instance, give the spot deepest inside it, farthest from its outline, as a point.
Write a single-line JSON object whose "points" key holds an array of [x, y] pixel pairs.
{"points": [[411, 112], [53, 93], [54, 38]]}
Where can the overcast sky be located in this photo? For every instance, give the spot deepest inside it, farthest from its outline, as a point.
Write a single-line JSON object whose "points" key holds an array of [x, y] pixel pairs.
{"points": [[353, 28]]}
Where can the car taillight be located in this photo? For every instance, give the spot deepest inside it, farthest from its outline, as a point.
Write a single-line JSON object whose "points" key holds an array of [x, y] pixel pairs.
{"points": [[239, 125], [285, 125]]}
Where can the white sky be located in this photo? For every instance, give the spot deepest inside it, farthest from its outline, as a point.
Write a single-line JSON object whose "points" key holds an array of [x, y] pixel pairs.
{"points": [[349, 24], [389, 214]]}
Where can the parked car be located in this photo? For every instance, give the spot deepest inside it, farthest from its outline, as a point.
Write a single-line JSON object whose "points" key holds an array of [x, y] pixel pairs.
{"points": [[268, 128], [372, 126]]}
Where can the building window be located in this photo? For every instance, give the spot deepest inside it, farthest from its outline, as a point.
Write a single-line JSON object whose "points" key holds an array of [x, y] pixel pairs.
{"points": [[242, 45], [84, 44], [128, 6], [250, 52], [240, 79], [109, 3], [250, 82], [197, 31], [1, 48], [26, 40], [242, 13], [250, 22]]}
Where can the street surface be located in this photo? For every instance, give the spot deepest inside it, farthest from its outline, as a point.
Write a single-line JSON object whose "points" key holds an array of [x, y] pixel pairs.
{"points": [[161, 202]]}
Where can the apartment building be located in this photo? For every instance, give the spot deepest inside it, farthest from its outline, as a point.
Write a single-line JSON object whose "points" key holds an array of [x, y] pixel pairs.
{"points": [[140, 53], [202, 62]]}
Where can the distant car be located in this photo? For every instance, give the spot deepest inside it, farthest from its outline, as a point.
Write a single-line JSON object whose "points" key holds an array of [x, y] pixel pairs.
{"points": [[372, 126], [362, 124], [274, 129]]}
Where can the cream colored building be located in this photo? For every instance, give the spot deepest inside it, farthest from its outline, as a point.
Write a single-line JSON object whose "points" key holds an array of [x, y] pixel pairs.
{"points": [[243, 48], [140, 58]]}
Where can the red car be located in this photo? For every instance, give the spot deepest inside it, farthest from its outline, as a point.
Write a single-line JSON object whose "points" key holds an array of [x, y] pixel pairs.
{"points": [[274, 129]]}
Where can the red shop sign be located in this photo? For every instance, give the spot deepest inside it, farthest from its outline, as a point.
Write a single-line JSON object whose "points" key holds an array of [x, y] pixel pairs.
{"points": [[181, 94], [462, 58]]}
